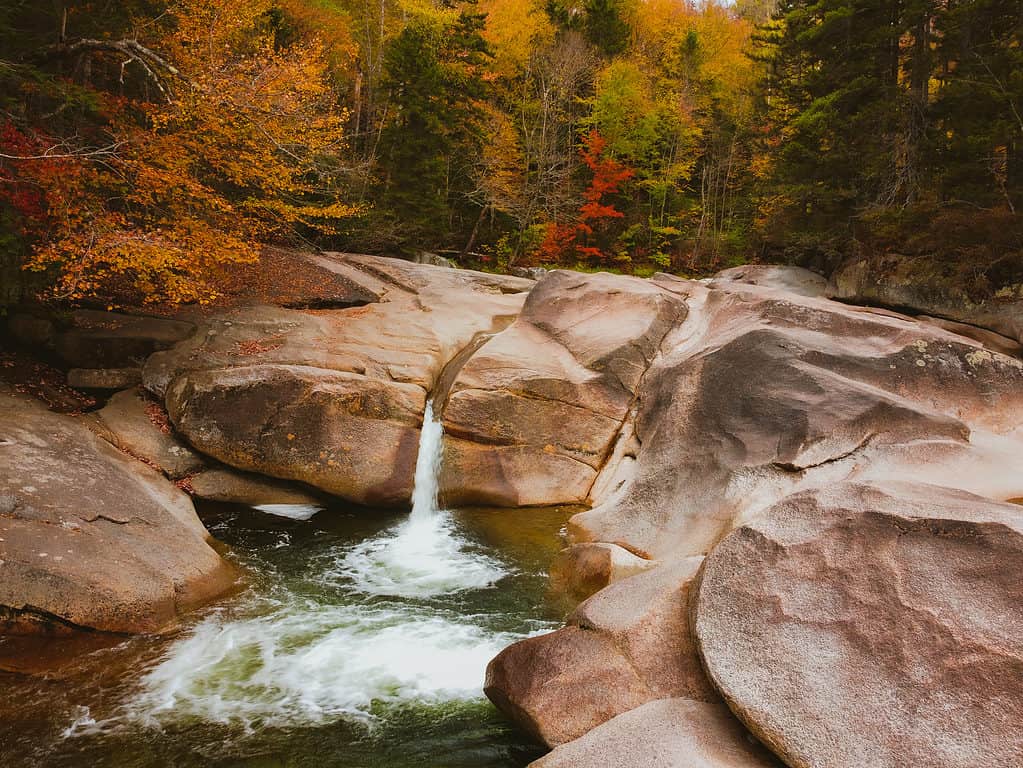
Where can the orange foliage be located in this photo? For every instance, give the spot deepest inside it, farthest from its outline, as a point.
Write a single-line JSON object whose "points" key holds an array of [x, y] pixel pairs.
{"points": [[608, 176], [244, 150]]}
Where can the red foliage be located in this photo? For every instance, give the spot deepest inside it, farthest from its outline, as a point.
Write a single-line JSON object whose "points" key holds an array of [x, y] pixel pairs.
{"points": [[17, 190], [594, 215]]}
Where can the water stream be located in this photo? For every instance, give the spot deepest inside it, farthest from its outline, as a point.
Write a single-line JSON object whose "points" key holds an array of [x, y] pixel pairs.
{"points": [[361, 641]]}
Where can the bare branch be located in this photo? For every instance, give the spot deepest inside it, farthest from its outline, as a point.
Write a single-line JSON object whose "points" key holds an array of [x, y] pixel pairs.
{"points": [[60, 151], [159, 70]]}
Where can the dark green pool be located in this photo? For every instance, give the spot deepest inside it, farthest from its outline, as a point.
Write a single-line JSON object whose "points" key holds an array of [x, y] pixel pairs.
{"points": [[338, 652]]}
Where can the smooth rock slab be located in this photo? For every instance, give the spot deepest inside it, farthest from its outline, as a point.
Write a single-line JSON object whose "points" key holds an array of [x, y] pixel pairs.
{"points": [[667, 733], [794, 280], [627, 645], [90, 537], [857, 627], [234, 487], [533, 414], [126, 422]]}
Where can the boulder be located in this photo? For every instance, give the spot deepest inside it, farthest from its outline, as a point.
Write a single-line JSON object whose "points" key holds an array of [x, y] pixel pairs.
{"points": [[532, 416], [333, 399], [99, 339], [762, 393], [104, 378], [234, 487], [349, 435], [759, 395], [935, 286], [139, 426], [666, 733], [581, 570], [627, 645], [852, 625], [90, 537], [793, 280]]}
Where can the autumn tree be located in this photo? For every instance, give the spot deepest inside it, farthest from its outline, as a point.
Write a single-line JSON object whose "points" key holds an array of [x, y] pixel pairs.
{"points": [[228, 139], [589, 237]]}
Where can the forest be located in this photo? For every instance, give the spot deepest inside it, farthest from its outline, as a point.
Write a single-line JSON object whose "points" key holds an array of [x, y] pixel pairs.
{"points": [[147, 147]]}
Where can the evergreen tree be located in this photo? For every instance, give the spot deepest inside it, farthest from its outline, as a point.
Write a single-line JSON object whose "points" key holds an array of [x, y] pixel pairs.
{"points": [[434, 72]]}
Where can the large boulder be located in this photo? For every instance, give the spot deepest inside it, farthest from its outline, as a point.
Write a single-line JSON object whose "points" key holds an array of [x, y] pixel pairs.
{"points": [[666, 733], [90, 537], [936, 286], [350, 435], [856, 626], [627, 645], [333, 399], [761, 393], [532, 416]]}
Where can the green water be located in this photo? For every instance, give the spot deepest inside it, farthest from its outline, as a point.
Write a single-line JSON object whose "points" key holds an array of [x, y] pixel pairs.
{"points": [[303, 667]]}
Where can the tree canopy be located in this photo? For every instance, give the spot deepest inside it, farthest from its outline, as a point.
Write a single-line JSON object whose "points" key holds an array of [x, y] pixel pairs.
{"points": [[146, 147]]}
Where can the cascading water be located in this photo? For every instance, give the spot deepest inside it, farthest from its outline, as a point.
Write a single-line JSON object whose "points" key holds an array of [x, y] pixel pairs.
{"points": [[375, 624], [424, 556]]}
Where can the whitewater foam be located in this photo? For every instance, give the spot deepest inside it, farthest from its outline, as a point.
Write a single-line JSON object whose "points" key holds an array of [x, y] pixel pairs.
{"points": [[308, 665], [424, 556], [420, 558], [309, 656]]}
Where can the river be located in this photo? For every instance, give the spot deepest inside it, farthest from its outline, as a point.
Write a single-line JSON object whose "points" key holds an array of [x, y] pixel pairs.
{"points": [[358, 640]]}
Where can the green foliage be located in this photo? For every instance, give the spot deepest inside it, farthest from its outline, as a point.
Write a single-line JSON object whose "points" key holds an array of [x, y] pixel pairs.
{"points": [[433, 71]]}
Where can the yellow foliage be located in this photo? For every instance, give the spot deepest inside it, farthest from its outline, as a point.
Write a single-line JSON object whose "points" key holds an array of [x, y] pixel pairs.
{"points": [[244, 153], [515, 29]]}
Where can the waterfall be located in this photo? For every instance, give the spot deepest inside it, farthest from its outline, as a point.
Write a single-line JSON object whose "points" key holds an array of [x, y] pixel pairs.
{"points": [[425, 555], [428, 462], [378, 622]]}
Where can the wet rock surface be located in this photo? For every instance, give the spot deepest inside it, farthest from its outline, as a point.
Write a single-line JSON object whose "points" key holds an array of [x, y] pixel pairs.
{"points": [[234, 487]]}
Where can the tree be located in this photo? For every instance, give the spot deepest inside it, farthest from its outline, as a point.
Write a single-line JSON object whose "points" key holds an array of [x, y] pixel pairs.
{"points": [[434, 70], [589, 237], [232, 141]]}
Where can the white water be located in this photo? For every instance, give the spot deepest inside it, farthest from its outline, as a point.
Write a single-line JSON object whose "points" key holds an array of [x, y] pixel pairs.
{"points": [[290, 511], [424, 556], [304, 660], [303, 666]]}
